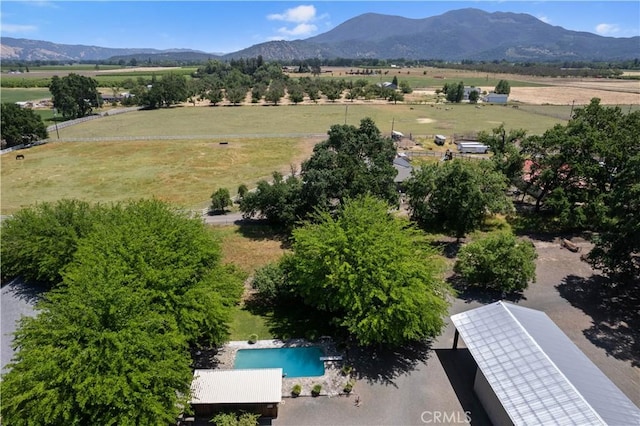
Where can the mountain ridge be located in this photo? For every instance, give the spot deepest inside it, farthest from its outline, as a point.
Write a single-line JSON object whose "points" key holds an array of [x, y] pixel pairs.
{"points": [[471, 34]]}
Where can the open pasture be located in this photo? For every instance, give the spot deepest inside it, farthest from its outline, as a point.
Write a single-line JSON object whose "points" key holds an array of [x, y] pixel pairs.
{"points": [[175, 154], [311, 119], [183, 172]]}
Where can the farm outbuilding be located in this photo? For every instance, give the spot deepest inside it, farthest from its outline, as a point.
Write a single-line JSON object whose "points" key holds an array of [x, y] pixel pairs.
{"points": [[495, 98], [252, 390], [529, 372]]}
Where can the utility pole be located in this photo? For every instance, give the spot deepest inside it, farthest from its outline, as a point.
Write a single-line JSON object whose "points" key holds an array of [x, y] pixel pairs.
{"points": [[55, 119]]}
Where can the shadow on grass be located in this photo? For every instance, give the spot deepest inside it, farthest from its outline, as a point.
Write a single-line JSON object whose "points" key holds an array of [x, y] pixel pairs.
{"points": [[615, 315], [259, 230], [290, 318], [460, 368], [484, 296], [449, 249]]}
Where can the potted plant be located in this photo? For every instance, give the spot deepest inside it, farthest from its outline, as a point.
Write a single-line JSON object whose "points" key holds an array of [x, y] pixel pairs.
{"points": [[316, 390], [295, 391], [253, 339], [348, 387]]}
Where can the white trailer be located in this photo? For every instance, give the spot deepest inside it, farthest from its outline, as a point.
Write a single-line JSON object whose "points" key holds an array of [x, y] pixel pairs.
{"points": [[439, 139], [472, 148]]}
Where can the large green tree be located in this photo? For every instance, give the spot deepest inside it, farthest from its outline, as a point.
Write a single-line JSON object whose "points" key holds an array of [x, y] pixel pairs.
{"points": [[507, 156], [457, 195], [19, 125], [38, 242], [574, 166], [96, 354], [373, 275], [498, 261], [353, 161], [74, 95], [109, 345]]}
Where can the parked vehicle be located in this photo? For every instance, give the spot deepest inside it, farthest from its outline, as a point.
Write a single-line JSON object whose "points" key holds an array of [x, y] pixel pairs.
{"points": [[472, 148], [440, 140]]}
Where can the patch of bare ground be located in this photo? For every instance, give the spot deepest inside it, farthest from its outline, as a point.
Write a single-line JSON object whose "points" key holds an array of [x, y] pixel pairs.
{"points": [[580, 94]]}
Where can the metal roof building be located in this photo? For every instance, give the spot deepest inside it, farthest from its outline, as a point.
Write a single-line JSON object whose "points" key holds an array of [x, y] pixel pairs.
{"points": [[530, 373], [258, 390]]}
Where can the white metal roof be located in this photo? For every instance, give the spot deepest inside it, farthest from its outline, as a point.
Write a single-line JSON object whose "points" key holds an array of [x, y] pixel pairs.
{"points": [[537, 373], [236, 386]]}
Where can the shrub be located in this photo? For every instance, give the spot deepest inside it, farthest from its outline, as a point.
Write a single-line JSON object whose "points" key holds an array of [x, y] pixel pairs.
{"points": [[346, 370], [348, 387], [316, 390], [253, 338], [498, 262], [295, 392]]}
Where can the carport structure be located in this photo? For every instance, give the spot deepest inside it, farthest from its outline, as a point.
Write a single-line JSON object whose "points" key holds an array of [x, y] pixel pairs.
{"points": [[252, 390], [530, 373]]}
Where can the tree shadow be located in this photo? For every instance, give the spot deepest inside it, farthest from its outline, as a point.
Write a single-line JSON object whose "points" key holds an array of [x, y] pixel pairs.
{"points": [[291, 318], [615, 315], [27, 291], [449, 249], [460, 368], [260, 230], [381, 364], [485, 296]]}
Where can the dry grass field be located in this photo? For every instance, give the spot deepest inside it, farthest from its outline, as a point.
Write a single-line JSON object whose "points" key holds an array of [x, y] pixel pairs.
{"points": [[182, 161], [182, 172]]}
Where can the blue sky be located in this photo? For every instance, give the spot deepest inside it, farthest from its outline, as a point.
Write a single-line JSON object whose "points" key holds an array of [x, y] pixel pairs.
{"points": [[228, 26]]}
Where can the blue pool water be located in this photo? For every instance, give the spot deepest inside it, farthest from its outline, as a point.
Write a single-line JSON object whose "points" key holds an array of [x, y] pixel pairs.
{"points": [[295, 362]]}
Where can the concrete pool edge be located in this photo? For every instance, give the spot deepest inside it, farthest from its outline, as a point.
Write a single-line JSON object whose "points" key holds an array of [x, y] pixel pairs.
{"points": [[332, 381]]}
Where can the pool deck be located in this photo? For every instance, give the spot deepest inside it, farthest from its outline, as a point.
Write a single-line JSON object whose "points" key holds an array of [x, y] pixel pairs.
{"points": [[332, 381]]}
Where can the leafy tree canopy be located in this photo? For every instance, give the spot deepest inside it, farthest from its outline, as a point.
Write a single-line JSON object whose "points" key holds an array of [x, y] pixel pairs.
{"points": [[74, 95], [353, 161], [370, 273], [19, 125], [110, 343], [499, 261], [457, 195]]}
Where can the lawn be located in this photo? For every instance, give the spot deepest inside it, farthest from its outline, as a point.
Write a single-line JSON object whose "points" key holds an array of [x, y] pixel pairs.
{"points": [[249, 247]]}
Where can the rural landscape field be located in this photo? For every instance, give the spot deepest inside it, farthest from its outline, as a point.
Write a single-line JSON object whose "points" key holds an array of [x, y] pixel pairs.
{"points": [[175, 154]]}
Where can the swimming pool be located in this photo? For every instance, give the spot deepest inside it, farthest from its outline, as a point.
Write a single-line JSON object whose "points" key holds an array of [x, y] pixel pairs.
{"points": [[295, 362]]}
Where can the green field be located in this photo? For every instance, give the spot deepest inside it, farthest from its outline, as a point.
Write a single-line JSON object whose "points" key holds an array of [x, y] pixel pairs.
{"points": [[20, 94], [250, 120]]}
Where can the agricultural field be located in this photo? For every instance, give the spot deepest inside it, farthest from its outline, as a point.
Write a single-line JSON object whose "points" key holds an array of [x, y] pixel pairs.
{"points": [[174, 154]]}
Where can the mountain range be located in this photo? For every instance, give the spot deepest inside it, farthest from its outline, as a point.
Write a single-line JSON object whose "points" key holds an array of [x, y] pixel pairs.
{"points": [[470, 34]]}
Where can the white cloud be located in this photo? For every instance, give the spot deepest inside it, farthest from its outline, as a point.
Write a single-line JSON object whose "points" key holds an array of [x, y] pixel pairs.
{"points": [[303, 20], [17, 29], [298, 30], [299, 14], [607, 29], [544, 19]]}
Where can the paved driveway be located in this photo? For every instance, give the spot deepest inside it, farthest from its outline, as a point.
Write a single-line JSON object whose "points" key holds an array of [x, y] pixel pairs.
{"points": [[442, 381], [16, 301]]}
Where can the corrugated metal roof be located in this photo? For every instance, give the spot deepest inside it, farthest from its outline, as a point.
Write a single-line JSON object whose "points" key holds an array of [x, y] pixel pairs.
{"points": [[537, 373], [236, 386]]}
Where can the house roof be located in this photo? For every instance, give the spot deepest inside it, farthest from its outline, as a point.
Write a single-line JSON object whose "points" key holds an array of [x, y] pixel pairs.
{"points": [[537, 373], [248, 386], [404, 169]]}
